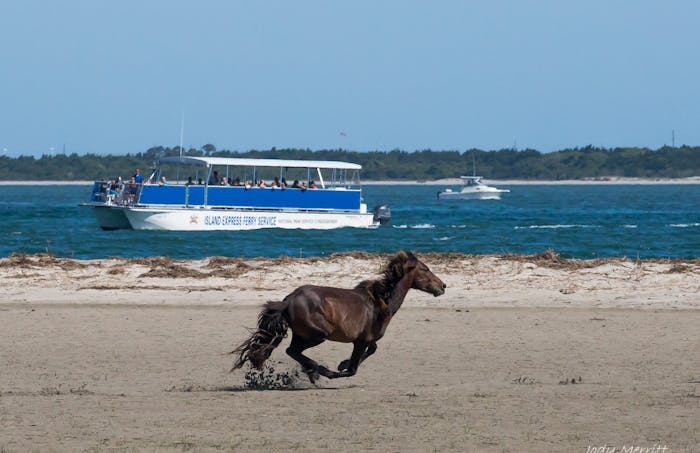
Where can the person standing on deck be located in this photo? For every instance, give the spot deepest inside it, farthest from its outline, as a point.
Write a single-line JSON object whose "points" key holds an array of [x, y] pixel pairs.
{"points": [[214, 179], [138, 177]]}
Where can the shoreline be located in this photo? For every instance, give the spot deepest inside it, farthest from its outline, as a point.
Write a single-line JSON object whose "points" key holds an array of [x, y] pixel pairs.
{"points": [[486, 281], [439, 182], [547, 258], [548, 182]]}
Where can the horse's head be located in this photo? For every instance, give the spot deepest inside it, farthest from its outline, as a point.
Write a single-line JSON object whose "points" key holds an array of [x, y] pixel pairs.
{"points": [[423, 279]]}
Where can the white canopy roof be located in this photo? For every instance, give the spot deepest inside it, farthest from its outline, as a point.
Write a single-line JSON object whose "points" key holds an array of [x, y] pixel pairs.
{"points": [[207, 161]]}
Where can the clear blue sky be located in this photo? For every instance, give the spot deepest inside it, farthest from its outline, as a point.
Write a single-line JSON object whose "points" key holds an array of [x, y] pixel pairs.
{"points": [[114, 77]]}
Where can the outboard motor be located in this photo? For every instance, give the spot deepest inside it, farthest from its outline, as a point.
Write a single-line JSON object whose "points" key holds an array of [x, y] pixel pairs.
{"points": [[382, 214]]}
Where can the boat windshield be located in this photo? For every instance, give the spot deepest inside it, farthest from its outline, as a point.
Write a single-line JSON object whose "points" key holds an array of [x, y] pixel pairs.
{"points": [[471, 181]]}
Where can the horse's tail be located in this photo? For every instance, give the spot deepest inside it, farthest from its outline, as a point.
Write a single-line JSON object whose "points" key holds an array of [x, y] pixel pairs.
{"points": [[272, 328]]}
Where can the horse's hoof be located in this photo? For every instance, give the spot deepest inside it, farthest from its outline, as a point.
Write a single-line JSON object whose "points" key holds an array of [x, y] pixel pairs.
{"points": [[313, 375], [328, 373], [344, 365]]}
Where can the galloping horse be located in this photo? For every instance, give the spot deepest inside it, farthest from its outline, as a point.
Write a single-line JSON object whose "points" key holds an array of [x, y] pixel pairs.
{"points": [[318, 313]]}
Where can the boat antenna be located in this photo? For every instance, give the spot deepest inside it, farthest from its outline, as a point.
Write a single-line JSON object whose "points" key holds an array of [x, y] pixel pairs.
{"points": [[182, 134], [182, 130]]}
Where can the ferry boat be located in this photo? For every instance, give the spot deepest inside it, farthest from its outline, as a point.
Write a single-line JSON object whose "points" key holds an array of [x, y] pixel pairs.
{"points": [[213, 193], [472, 189]]}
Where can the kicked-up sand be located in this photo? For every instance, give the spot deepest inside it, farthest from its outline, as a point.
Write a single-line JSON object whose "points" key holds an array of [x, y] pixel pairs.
{"points": [[522, 353]]}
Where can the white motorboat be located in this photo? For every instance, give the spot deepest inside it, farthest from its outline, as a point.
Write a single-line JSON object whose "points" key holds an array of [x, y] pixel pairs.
{"points": [[472, 189]]}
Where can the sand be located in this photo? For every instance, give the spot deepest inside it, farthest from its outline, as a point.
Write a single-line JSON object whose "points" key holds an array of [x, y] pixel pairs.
{"points": [[521, 354]]}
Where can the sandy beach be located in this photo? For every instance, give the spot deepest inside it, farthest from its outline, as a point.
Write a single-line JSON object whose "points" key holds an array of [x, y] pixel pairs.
{"points": [[522, 353]]}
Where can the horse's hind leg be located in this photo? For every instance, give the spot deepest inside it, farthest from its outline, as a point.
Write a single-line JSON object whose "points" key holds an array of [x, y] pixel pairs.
{"points": [[311, 367]]}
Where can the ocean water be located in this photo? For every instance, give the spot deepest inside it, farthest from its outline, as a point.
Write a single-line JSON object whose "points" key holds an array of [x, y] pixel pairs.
{"points": [[580, 221]]}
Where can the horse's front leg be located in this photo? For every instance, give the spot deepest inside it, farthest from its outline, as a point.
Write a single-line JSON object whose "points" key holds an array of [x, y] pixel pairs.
{"points": [[345, 364], [358, 354]]}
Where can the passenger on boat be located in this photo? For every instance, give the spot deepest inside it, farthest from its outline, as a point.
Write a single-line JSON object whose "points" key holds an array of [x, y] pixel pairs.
{"points": [[236, 182], [189, 181], [275, 182], [312, 185], [262, 184], [214, 180], [283, 184], [163, 181], [200, 182], [115, 186], [295, 184], [224, 181], [104, 187], [129, 192], [138, 177]]}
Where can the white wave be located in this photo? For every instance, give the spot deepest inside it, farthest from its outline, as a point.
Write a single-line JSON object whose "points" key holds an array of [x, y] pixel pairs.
{"points": [[458, 226], [445, 238], [417, 226], [629, 226], [534, 227], [684, 225]]}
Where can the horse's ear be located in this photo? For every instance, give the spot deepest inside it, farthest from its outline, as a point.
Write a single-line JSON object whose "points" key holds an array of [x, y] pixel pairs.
{"points": [[409, 260], [403, 255]]}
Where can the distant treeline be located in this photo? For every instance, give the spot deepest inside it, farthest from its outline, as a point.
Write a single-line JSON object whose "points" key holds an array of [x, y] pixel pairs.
{"points": [[575, 163]]}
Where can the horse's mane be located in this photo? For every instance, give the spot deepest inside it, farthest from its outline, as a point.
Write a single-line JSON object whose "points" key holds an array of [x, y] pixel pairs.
{"points": [[380, 289]]}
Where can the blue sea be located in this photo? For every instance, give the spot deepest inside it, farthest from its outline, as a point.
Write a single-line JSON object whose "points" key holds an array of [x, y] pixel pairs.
{"points": [[577, 221]]}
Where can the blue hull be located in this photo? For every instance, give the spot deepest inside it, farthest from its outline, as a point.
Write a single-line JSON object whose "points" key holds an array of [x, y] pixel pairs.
{"points": [[253, 198]]}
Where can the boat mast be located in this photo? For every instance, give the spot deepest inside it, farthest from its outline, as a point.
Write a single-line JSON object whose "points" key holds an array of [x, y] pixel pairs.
{"points": [[182, 133]]}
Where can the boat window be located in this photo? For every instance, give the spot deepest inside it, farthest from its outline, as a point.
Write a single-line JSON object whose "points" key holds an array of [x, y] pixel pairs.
{"points": [[208, 173]]}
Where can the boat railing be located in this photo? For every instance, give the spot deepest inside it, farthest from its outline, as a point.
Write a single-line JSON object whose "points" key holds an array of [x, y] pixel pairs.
{"points": [[129, 194], [117, 193], [114, 193]]}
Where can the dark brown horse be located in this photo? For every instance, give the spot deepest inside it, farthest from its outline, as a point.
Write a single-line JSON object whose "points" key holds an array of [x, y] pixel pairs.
{"points": [[318, 313]]}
